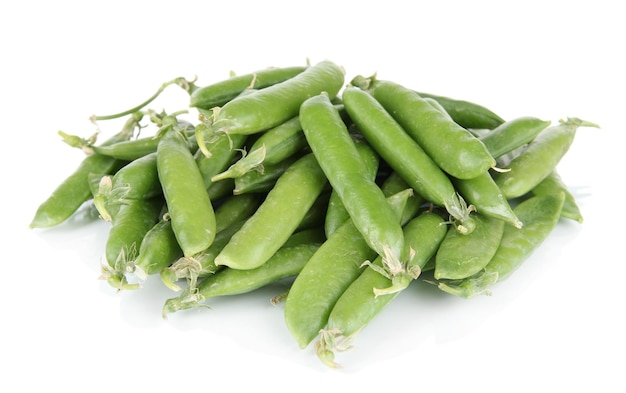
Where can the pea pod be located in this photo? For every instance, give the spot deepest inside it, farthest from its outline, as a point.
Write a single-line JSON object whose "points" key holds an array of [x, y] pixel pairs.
{"points": [[377, 286], [262, 181], [512, 134], [159, 249], [188, 203], [269, 107], [219, 93], [540, 214], [342, 164], [466, 113], [460, 256], [539, 159], [271, 225], [75, 190], [485, 195], [329, 271], [453, 148], [553, 184], [286, 262], [337, 214], [403, 153], [129, 226]]}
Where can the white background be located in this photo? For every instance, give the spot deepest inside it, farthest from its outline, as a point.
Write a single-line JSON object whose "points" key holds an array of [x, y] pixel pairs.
{"points": [[557, 323]]}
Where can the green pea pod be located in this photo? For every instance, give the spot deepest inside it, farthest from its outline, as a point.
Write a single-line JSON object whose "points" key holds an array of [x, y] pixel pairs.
{"points": [[216, 155], [159, 249], [394, 184], [485, 195], [188, 203], [75, 190], [553, 184], [466, 113], [461, 256], [286, 262], [129, 226], [219, 93], [234, 209], [453, 148], [337, 155], [262, 180], [403, 154], [281, 142], [377, 286], [512, 134], [272, 224], [337, 214], [278, 103], [540, 215], [316, 215], [539, 159], [329, 271]]}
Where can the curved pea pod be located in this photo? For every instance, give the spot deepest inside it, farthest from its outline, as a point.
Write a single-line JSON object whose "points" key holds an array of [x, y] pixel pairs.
{"points": [[485, 195], [337, 155], [129, 226], [188, 203], [337, 214], [286, 262], [271, 106], [234, 209], [466, 113], [158, 250], [512, 134], [461, 256], [216, 155], [403, 154], [263, 179], [221, 92], [75, 190], [377, 286], [553, 184], [328, 273], [540, 215], [539, 158], [273, 147], [452, 147], [272, 223]]}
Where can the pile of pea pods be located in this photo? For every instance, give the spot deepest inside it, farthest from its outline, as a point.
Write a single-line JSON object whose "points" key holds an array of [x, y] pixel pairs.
{"points": [[348, 191]]}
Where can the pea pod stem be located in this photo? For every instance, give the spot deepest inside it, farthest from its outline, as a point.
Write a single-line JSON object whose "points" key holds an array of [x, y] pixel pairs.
{"points": [[185, 84]]}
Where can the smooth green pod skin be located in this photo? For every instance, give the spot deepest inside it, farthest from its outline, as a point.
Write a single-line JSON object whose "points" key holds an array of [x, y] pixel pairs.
{"points": [[553, 184], [467, 114], [394, 184], [512, 134], [342, 164], [222, 150], [272, 223], [281, 142], [453, 148], [219, 93], [130, 224], [285, 263], [75, 190], [360, 303], [262, 181], [461, 256], [159, 249], [139, 178], [327, 274], [130, 150], [220, 190], [540, 215], [269, 107], [538, 159], [337, 214], [483, 192], [188, 203], [397, 148], [234, 209], [316, 215]]}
